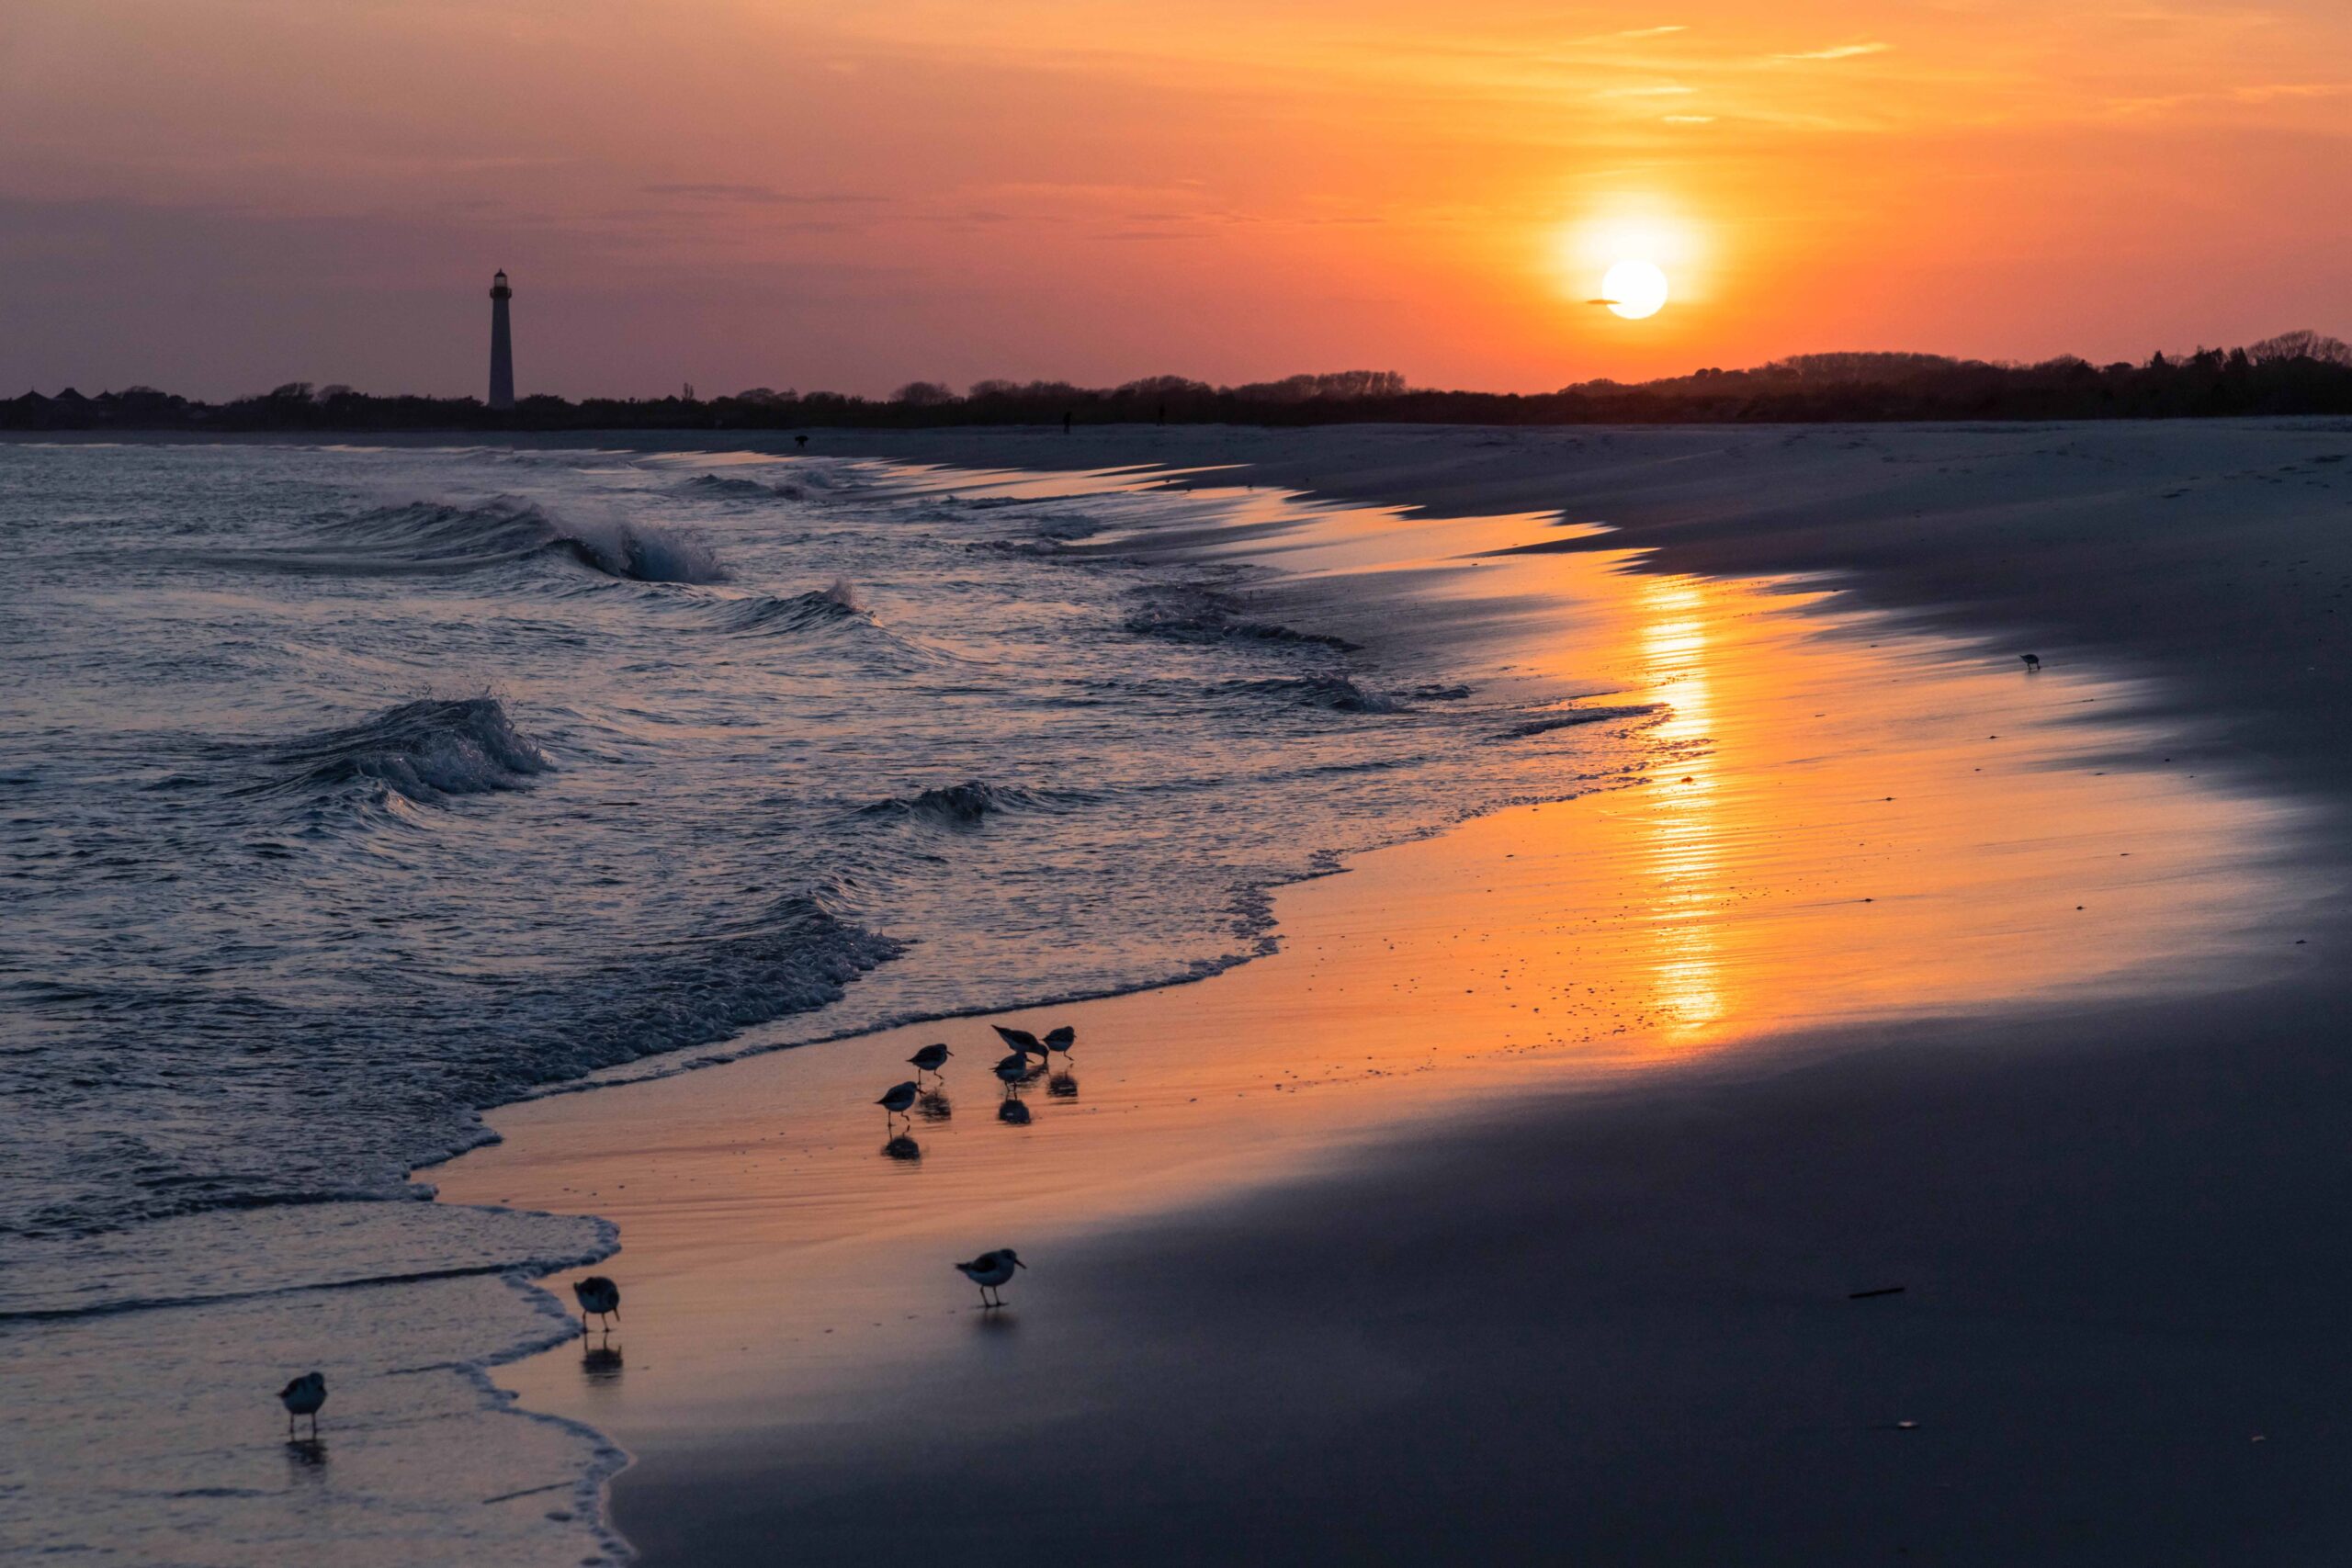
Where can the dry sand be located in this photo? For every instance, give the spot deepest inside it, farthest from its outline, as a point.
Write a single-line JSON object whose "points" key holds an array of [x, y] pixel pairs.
{"points": [[1512, 1210]]}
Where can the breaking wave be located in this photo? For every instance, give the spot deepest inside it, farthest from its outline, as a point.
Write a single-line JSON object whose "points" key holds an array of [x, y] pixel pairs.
{"points": [[426, 750], [427, 536]]}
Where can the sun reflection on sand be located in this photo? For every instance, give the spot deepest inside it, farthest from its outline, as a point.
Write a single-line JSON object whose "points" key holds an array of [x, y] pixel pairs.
{"points": [[1683, 856]]}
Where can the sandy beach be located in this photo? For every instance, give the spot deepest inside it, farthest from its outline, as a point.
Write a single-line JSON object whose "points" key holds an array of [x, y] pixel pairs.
{"points": [[1896, 1116], [1059, 782]]}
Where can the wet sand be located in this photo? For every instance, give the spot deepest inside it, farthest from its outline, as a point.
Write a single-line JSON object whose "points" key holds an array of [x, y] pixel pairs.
{"points": [[1513, 1209]]}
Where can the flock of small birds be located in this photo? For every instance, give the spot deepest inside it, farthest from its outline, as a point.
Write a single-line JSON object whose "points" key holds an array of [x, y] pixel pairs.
{"points": [[1013, 1071], [599, 1298]]}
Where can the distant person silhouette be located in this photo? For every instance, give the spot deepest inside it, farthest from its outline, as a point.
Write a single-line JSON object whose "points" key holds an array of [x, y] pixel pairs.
{"points": [[1066, 417], [1163, 413]]}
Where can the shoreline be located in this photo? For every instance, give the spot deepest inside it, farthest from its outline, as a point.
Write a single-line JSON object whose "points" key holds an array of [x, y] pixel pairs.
{"points": [[542, 1384]]}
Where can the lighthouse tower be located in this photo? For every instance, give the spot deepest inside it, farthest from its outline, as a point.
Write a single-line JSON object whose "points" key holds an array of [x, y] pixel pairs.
{"points": [[502, 345]]}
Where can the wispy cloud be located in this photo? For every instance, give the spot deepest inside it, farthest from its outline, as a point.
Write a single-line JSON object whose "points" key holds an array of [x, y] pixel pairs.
{"points": [[1631, 33], [1836, 51]]}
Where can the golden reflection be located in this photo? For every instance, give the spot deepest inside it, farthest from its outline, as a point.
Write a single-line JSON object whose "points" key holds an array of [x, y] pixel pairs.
{"points": [[1682, 855]]}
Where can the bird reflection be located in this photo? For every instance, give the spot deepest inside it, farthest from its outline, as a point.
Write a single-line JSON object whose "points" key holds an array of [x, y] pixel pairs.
{"points": [[934, 1106], [902, 1147], [306, 1454], [1013, 1112], [602, 1363], [1062, 1086]]}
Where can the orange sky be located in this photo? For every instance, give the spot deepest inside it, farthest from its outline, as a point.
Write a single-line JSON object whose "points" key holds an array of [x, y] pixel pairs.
{"points": [[219, 195]]}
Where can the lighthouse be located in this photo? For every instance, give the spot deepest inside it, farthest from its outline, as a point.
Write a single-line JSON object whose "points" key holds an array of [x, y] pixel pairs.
{"points": [[502, 345]]}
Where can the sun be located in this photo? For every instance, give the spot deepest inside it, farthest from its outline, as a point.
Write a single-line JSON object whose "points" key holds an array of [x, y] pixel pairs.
{"points": [[1633, 288]]}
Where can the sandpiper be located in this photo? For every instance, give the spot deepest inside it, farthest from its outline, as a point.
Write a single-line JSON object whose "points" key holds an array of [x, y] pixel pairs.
{"points": [[1021, 1040], [930, 1059], [899, 1099], [302, 1397], [989, 1271], [598, 1295], [2032, 660], [1061, 1039], [1012, 1070]]}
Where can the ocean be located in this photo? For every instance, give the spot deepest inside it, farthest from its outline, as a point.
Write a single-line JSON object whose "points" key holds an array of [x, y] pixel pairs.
{"points": [[350, 791]]}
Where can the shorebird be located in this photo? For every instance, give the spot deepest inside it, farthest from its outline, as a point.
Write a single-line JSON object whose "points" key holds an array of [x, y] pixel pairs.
{"points": [[599, 1295], [897, 1101], [1061, 1039], [930, 1059], [302, 1397], [989, 1271], [2032, 660], [1021, 1040], [1012, 1069]]}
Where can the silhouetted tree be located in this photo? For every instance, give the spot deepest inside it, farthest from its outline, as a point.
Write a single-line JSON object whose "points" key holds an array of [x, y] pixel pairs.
{"points": [[2300, 343]]}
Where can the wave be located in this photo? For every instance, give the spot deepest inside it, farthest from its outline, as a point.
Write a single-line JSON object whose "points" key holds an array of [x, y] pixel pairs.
{"points": [[230, 1254], [477, 1043], [1199, 615], [998, 503], [427, 536], [735, 487], [427, 751], [1569, 719], [835, 606], [1334, 694], [967, 804], [794, 955]]}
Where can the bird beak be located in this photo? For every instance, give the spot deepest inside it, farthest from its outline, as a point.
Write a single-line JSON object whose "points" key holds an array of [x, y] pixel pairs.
{"points": [[1018, 1264]]}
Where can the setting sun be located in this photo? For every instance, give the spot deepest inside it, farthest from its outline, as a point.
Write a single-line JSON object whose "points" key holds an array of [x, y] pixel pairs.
{"points": [[1633, 288]]}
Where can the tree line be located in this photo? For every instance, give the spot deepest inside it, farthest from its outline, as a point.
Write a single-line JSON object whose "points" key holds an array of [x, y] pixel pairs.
{"points": [[2301, 372]]}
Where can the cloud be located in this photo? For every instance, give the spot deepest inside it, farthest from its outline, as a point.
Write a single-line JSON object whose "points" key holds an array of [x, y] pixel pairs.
{"points": [[1836, 51], [1631, 33], [762, 196]]}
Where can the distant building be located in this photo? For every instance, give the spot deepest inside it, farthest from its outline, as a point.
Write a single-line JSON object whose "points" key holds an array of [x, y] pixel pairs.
{"points": [[502, 345]]}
